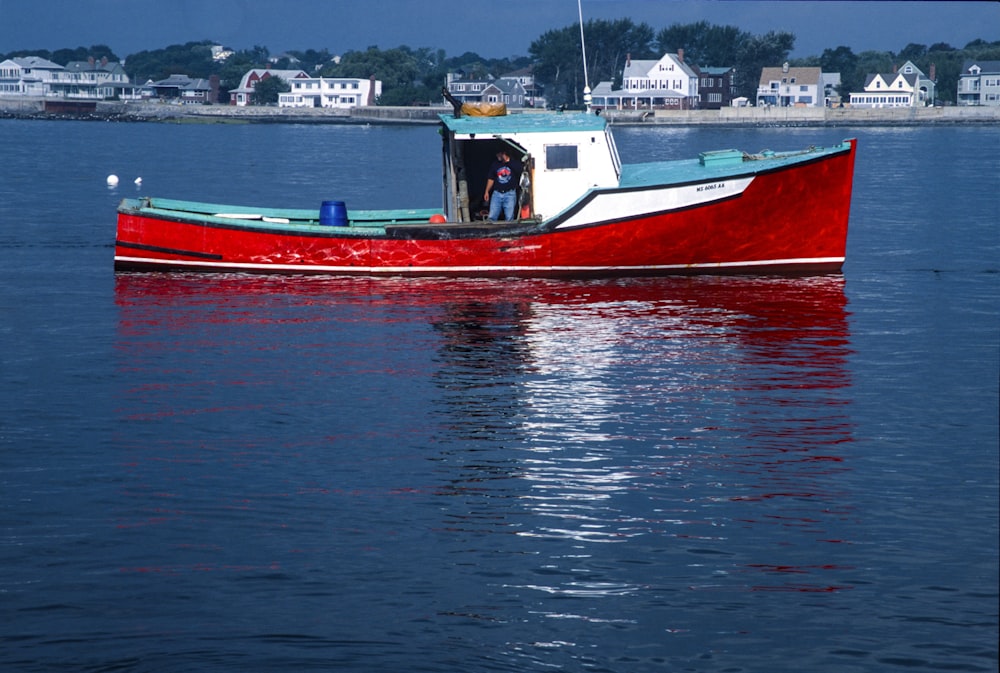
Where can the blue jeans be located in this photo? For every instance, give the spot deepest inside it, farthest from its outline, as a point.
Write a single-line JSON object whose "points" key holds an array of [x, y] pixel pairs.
{"points": [[505, 200]]}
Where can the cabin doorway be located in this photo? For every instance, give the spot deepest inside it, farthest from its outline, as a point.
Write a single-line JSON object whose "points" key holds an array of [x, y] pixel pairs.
{"points": [[478, 155]]}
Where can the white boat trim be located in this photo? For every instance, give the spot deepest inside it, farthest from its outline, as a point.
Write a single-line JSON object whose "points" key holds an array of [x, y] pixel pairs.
{"points": [[634, 204], [406, 270]]}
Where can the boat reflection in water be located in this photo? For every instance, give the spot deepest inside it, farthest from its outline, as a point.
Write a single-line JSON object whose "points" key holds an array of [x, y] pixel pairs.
{"points": [[690, 418]]}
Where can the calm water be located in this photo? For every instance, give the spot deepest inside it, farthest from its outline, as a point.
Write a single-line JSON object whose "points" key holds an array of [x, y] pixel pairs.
{"points": [[223, 473]]}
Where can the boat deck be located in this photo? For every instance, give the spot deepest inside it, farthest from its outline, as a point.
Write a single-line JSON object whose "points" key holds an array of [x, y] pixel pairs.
{"points": [[718, 165]]}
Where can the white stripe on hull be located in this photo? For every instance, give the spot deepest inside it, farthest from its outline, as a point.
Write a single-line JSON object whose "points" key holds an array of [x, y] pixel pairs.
{"points": [[629, 205], [301, 268]]}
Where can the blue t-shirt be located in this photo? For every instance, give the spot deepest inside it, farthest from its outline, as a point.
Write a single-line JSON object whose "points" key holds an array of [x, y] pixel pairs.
{"points": [[505, 175]]}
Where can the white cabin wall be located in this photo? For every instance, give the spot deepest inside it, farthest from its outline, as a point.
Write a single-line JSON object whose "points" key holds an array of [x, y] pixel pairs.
{"points": [[556, 190]]}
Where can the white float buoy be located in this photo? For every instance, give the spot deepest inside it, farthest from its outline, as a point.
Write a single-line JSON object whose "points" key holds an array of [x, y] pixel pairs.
{"points": [[138, 181], [112, 180]]}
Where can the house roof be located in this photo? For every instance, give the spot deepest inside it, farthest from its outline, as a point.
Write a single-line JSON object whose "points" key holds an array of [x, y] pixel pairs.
{"points": [[95, 66], [183, 83], [263, 73], [890, 77], [508, 85], [36, 62], [712, 70], [640, 68], [802, 75], [985, 67]]}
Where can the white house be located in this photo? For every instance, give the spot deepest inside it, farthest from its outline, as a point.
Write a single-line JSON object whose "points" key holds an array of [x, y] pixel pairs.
{"points": [[664, 84], [83, 80], [28, 76], [331, 92], [903, 87], [91, 79], [787, 86], [243, 94], [979, 83]]}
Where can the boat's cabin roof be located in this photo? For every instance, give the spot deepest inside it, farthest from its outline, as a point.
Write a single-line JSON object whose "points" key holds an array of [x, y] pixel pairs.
{"points": [[540, 122]]}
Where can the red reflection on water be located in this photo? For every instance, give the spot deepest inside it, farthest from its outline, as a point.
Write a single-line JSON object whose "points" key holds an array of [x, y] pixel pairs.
{"points": [[786, 306], [803, 588], [775, 347]]}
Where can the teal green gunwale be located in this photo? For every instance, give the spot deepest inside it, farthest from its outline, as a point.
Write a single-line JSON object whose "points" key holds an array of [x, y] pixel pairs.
{"points": [[693, 170], [360, 222]]}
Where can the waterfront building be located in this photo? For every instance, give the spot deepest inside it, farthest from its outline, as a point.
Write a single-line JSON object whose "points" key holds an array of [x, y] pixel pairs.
{"points": [[89, 80], [716, 86], [788, 86], [92, 79], [28, 76], [979, 83], [509, 90], [187, 90], [906, 86], [242, 95], [331, 92], [664, 84]]}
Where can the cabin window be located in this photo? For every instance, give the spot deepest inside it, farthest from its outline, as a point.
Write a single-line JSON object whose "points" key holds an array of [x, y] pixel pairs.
{"points": [[560, 157]]}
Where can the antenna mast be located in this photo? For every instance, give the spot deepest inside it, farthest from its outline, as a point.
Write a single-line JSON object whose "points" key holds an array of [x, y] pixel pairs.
{"points": [[583, 47]]}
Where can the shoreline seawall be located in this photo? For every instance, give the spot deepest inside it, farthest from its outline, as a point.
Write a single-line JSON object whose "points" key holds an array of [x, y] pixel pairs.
{"points": [[35, 108]]}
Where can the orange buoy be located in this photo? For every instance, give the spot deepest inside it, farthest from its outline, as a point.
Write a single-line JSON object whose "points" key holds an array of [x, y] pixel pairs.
{"points": [[437, 218]]}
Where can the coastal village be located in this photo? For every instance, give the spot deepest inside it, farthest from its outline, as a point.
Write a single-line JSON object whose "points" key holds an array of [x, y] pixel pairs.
{"points": [[667, 89]]}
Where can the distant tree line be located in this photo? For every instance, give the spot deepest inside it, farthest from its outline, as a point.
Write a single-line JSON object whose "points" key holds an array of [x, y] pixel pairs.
{"points": [[415, 76]]}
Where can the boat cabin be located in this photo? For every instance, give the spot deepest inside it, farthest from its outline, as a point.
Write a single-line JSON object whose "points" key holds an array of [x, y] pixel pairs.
{"points": [[563, 156]]}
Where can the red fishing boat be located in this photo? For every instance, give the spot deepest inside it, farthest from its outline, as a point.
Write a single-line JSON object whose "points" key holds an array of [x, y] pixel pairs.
{"points": [[579, 211]]}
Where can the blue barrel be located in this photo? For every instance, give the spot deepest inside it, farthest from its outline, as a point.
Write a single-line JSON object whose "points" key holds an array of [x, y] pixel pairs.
{"points": [[333, 214]]}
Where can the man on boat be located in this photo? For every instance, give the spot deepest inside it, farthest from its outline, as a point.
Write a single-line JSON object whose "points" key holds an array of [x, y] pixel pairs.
{"points": [[503, 178]]}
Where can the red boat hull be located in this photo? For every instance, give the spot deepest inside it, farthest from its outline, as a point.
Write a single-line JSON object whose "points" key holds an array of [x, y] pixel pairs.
{"points": [[793, 218]]}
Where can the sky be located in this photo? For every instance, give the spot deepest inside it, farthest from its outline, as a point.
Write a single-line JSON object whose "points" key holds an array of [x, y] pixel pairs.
{"points": [[493, 29]]}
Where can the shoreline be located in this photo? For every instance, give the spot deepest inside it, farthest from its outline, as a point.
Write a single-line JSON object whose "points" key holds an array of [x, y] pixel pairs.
{"points": [[35, 108]]}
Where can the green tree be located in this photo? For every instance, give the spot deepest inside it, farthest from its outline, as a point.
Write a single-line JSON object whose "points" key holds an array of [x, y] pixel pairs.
{"points": [[703, 43], [309, 60], [398, 69], [611, 43], [756, 53], [64, 56], [844, 61], [266, 91], [97, 52], [912, 52], [193, 59], [558, 58], [557, 64]]}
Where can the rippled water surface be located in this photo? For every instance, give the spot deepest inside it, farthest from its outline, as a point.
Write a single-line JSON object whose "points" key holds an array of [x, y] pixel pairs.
{"points": [[232, 473]]}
